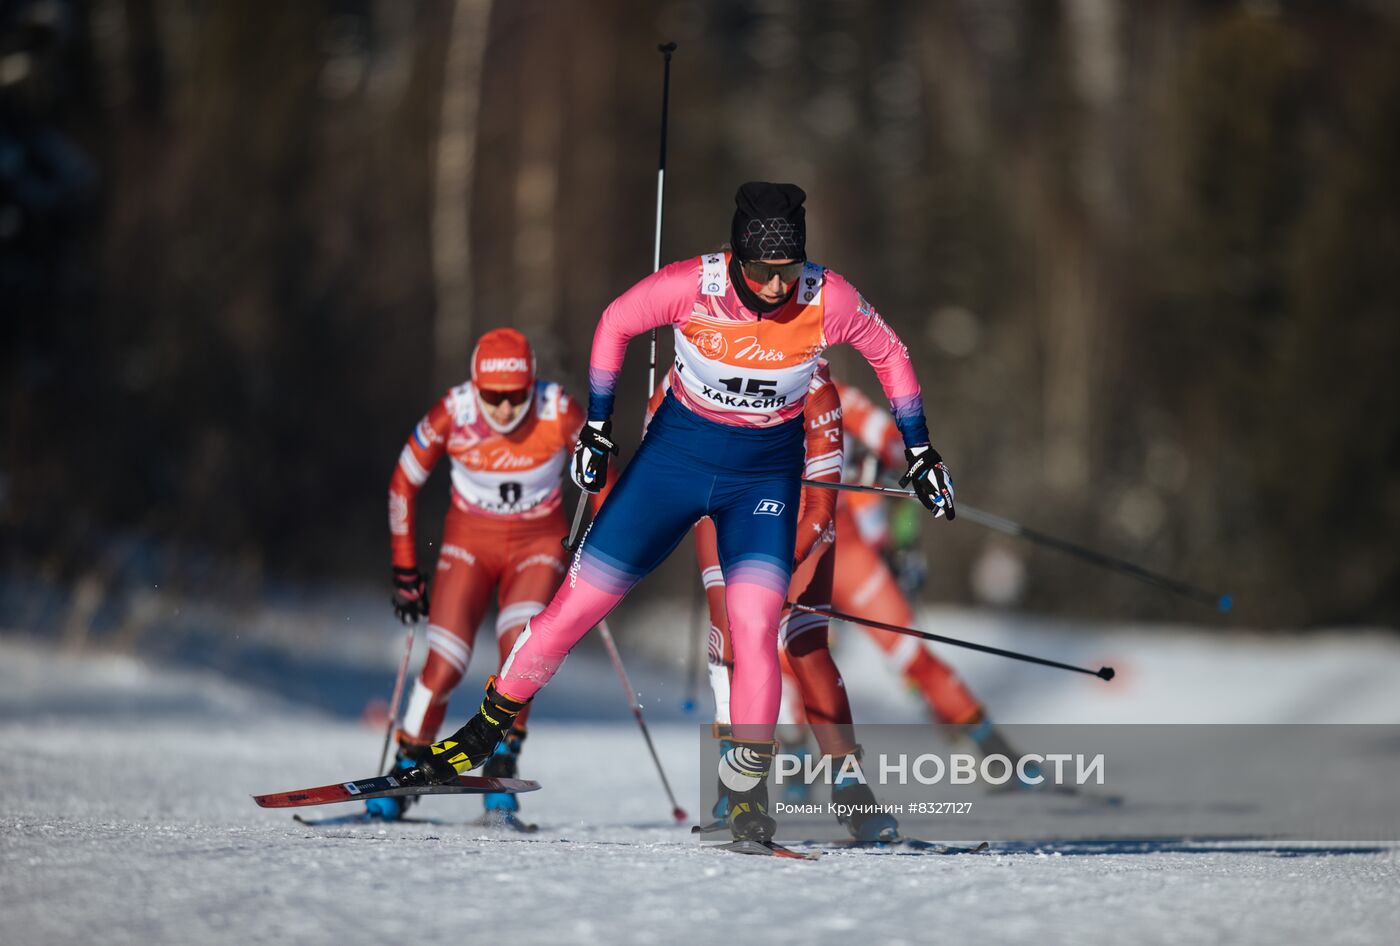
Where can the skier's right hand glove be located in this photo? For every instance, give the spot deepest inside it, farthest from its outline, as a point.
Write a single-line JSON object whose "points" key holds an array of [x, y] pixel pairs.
{"points": [[931, 480], [589, 470], [410, 595]]}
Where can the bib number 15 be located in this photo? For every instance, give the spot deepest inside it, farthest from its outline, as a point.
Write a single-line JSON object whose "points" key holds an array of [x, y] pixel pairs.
{"points": [[751, 387]]}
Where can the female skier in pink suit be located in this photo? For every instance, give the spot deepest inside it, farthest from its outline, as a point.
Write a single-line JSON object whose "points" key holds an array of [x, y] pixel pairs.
{"points": [[727, 443]]}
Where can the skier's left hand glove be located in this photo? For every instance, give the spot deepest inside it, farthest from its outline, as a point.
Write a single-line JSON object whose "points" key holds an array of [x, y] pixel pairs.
{"points": [[410, 595], [589, 469], [931, 480]]}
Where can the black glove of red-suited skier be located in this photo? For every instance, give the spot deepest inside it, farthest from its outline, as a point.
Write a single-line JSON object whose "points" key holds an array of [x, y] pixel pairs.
{"points": [[410, 595], [931, 480]]}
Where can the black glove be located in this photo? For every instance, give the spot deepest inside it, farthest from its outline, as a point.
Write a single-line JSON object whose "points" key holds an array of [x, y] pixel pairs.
{"points": [[931, 479], [410, 595], [589, 471]]}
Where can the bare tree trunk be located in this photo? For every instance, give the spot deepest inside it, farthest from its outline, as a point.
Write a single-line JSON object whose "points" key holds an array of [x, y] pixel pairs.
{"points": [[589, 197], [1073, 231], [1062, 224], [1070, 299], [537, 181], [451, 202]]}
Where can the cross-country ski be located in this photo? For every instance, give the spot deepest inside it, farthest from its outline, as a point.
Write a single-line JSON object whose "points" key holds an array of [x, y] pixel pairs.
{"points": [[907, 846], [387, 786]]}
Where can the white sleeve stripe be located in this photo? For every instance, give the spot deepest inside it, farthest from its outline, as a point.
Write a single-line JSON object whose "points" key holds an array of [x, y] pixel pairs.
{"points": [[457, 663], [713, 577], [803, 619], [797, 625], [904, 653], [449, 647], [443, 639], [517, 614], [825, 464], [412, 468]]}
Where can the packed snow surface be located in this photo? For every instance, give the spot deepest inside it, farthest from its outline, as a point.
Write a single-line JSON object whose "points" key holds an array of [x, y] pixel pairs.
{"points": [[125, 817]]}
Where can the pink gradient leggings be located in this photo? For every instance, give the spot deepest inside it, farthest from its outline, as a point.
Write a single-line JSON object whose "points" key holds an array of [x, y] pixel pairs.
{"points": [[748, 481]]}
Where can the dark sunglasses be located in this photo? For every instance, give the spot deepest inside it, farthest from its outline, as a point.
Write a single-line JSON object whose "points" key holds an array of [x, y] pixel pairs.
{"points": [[762, 272], [495, 397]]}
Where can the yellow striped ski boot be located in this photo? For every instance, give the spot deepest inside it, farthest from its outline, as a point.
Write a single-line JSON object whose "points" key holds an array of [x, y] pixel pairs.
{"points": [[743, 770], [469, 746]]}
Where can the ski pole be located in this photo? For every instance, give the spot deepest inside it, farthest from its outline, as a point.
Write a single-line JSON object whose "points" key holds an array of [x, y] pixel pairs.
{"points": [[398, 692], [1104, 673], [571, 543], [677, 811], [1223, 602], [666, 49]]}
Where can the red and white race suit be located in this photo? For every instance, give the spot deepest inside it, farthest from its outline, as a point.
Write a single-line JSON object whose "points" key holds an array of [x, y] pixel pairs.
{"points": [[501, 534]]}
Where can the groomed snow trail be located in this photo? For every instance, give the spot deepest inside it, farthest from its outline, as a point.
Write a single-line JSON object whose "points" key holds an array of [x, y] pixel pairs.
{"points": [[125, 818]]}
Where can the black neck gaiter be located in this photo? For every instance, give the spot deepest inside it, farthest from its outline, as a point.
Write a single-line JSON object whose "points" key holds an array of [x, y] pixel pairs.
{"points": [[747, 296]]}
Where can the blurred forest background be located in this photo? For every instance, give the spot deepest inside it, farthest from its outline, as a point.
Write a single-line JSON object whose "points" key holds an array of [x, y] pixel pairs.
{"points": [[1146, 255]]}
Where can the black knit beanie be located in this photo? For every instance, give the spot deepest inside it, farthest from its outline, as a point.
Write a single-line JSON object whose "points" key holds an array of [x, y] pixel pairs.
{"points": [[769, 222]]}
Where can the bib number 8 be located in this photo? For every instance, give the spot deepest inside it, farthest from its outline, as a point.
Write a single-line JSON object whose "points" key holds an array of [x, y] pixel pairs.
{"points": [[751, 387]]}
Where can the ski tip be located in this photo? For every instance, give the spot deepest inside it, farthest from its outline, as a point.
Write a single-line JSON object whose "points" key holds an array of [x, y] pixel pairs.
{"points": [[766, 849], [508, 786], [1226, 603]]}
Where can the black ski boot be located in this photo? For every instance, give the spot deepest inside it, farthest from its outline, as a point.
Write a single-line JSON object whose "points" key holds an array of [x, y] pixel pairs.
{"points": [[743, 770], [720, 811], [469, 746]]}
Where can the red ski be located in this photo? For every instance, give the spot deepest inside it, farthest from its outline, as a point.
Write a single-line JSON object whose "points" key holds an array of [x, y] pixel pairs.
{"points": [[765, 849], [387, 785]]}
